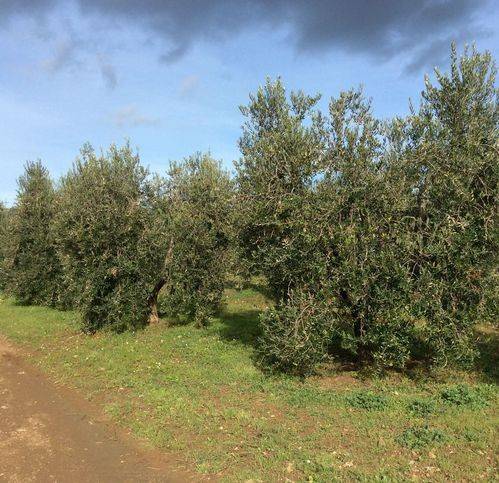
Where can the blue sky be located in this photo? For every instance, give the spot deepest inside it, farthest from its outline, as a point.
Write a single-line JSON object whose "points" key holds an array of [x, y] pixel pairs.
{"points": [[170, 75]]}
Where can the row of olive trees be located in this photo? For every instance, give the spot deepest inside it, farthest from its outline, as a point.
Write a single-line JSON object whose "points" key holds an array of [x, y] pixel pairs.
{"points": [[378, 239], [109, 237]]}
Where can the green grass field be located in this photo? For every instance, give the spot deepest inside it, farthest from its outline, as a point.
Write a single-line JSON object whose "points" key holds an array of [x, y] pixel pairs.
{"points": [[197, 393]]}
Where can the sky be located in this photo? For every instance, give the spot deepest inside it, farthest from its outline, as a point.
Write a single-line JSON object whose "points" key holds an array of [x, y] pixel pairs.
{"points": [[170, 75]]}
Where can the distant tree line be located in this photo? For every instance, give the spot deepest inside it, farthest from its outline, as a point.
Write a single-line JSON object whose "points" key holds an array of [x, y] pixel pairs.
{"points": [[378, 240]]}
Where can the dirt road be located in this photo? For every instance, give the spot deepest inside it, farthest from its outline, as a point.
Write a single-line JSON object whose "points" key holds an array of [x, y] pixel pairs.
{"points": [[48, 433]]}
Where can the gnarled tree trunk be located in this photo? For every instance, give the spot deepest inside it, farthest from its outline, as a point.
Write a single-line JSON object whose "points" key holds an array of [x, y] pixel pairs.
{"points": [[153, 302], [153, 298]]}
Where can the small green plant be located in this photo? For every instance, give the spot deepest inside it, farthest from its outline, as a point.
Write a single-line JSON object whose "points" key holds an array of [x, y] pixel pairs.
{"points": [[367, 400], [463, 395], [421, 407], [418, 437], [472, 435]]}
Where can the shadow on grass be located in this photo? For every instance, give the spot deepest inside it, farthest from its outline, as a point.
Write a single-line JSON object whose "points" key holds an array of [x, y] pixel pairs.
{"points": [[488, 359], [240, 322], [243, 326], [257, 285], [22, 303]]}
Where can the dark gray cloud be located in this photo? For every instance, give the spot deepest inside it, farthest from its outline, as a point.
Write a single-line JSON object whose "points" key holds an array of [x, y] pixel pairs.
{"points": [[10, 8], [418, 30], [436, 52]]}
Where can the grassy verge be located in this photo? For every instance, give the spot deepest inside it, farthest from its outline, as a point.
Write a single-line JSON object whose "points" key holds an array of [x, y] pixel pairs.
{"points": [[197, 393]]}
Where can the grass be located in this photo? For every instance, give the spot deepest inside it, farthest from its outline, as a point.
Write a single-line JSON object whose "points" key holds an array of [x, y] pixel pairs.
{"points": [[197, 393]]}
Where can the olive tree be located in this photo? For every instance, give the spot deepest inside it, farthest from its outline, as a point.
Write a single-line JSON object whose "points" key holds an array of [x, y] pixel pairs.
{"points": [[124, 236], [280, 154], [357, 287], [199, 210], [105, 215], [454, 144], [31, 263], [396, 228], [363, 199]]}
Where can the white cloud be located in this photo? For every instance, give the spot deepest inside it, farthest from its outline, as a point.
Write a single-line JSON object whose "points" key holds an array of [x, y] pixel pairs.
{"points": [[188, 85], [131, 116], [64, 55]]}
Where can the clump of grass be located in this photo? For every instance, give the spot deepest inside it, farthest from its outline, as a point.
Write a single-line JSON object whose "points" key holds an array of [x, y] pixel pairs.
{"points": [[367, 400], [463, 395], [472, 435], [418, 437], [421, 407]]}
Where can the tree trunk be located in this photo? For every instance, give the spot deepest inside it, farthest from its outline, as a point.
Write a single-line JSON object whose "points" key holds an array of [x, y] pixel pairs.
{"points": [[153, 298], [153, 302]]}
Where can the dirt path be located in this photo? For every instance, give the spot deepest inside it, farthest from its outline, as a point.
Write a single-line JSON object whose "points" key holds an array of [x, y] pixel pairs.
{"points": [[48, 433]]}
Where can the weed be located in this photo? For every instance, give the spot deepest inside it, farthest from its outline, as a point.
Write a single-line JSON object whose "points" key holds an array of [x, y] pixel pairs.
{"points": [[421, 407], [463, 395], [472, 435], [367, 400], [419, 437]]}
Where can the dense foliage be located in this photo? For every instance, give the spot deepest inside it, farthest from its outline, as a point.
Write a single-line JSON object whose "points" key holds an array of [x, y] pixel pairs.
{"points": [[280, 157], [124, 237], [199, 194], [378, 239], [31, 262], [102, 222], [398, 232], [454, 150]]}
